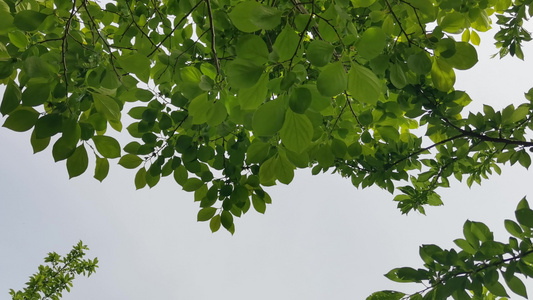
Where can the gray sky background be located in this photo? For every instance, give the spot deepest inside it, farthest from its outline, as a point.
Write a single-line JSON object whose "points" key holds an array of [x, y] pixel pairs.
{"points": [[320, 239]]}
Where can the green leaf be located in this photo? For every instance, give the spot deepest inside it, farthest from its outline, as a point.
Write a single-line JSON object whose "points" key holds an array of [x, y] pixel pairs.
{"points": [[7, 66], [442, 75], [48, 125], [38, 145], [214, 224], [516, 285], [216, 113], [513, 228], [453, 22], [206, 214], [197, 109], [226, 219], [140, 178], [463, 244], [372, 43], [253, 48], [28, 20], [137, 64], [283, 169], [297, 132], [62, 149], [107, 106], [386, 295], [497, 289], [524, 216], [11, 99], [319, 53], [252, 97], [130, 161], [332, 80], [268, 119], [241, 16], [286, 44], [397, 76], [364, 85], [102, 168], [107, 146], [36, 94], [265, 17], [257, 151], [419, 63], [465, 56], [192, 184], [77, 163], [243, 73], [22, 119], [18, 39], [258, 203], [267, 171], [35, 67], [300, 100]]}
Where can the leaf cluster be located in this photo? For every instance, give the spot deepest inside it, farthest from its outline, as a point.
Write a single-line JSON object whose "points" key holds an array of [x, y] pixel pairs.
{"points": [[57, 275], [478, 268]]}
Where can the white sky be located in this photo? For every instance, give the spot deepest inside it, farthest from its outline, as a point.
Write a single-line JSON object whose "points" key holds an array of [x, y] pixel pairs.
{"points": [[320, 239]]}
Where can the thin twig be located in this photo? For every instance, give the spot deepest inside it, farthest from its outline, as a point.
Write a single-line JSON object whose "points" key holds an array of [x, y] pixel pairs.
{"points": [[175, 27], [212, 29]]}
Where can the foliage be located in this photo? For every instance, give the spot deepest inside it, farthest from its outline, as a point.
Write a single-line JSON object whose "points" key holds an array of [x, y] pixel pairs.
{"points": [[231, 96], [57, 276], [474, 271]]}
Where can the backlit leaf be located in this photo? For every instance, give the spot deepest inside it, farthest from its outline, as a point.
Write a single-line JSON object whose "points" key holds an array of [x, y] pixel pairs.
{"points": [[319, 53], [332, 80], [28, 20], [364, 85], [243, 73], [269, 117], [137, 64], [442, 75], [297, 131], [372, 42], [241, 16]]}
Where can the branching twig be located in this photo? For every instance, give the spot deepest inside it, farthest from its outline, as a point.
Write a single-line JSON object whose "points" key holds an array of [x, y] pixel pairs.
{"points": [[175, 27], [398, 21], [212, 29]]}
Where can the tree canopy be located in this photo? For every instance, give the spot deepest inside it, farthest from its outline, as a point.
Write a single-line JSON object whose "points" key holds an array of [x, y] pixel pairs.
{"points": [[229, 97]]}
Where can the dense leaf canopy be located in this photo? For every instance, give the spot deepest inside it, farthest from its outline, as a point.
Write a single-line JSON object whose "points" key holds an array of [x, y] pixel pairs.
{"points": [[228, 96]]}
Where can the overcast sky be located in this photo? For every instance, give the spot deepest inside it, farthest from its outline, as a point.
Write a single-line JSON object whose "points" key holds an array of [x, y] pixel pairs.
{"points": [[320, 239]]}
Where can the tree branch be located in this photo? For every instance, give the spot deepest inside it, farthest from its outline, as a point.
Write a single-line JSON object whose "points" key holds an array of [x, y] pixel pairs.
{"points": [[175, 27], [212, 29]]}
